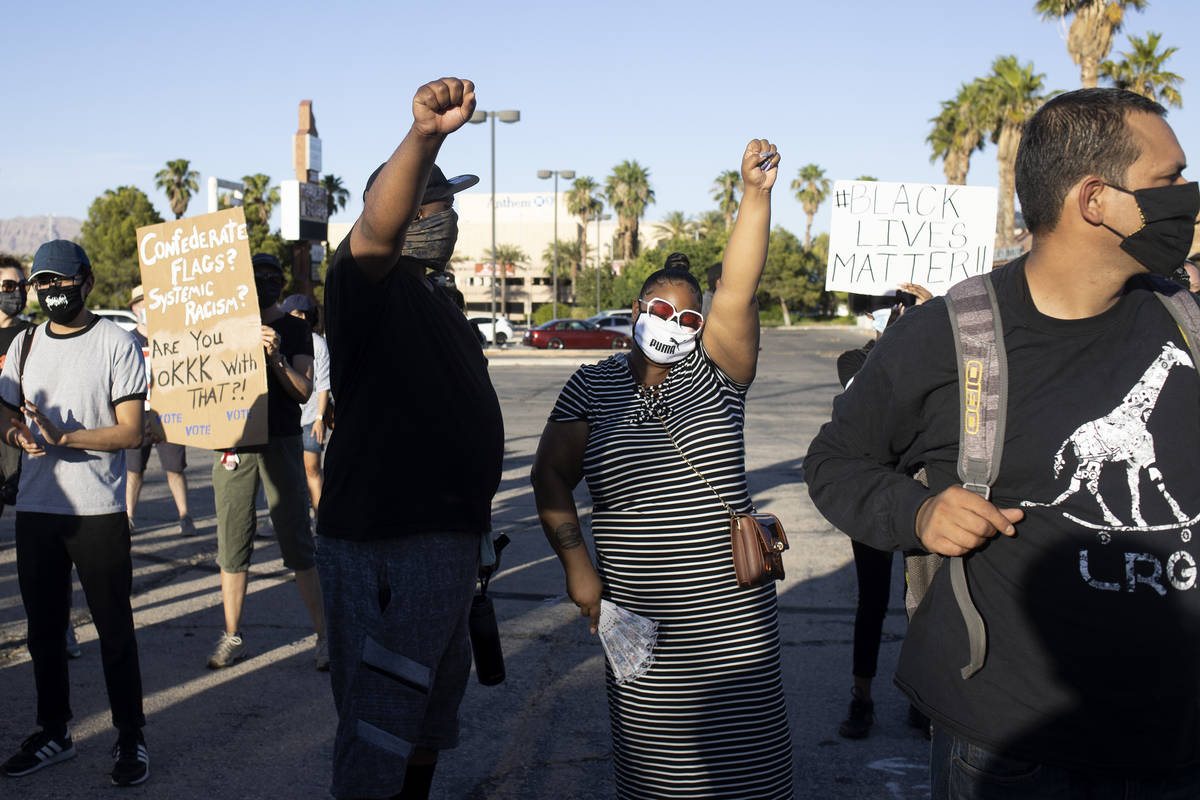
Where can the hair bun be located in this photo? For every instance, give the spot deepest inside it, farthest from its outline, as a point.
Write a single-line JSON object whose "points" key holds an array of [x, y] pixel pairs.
{"points": [[678, 261]]}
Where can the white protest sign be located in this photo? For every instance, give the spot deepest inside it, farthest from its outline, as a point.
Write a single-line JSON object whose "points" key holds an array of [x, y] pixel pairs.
{"points": [[207, 365], [883, 234]]}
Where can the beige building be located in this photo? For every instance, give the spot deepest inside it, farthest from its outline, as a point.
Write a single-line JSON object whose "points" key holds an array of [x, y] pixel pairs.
{"points": [[524, 220]]}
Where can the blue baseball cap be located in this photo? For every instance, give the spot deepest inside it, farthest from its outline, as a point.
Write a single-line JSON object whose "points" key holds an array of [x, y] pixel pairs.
{"points": [[61, 258], [297, 302]]}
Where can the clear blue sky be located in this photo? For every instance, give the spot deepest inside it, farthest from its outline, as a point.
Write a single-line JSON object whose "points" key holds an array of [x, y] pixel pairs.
{"points": [[101, 95]]}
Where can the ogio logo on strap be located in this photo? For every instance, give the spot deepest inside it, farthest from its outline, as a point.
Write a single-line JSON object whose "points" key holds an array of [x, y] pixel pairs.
{"points": [[973, 395]]}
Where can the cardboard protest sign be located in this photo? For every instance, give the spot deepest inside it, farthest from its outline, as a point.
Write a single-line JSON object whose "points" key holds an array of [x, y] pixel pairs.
{"points": [[882, 234], [207, 366]]}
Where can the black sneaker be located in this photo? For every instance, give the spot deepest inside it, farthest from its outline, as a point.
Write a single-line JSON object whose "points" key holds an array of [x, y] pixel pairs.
{"points": [[131, 759], [858, 722], [39, 750]]}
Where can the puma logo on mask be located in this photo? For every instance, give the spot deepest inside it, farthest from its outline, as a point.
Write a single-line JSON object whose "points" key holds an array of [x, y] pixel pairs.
{"points": [[666, 349]]}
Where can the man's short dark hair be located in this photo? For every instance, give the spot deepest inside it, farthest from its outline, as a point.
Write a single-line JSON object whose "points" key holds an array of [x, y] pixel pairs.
{"points": [[1072, 136], [11, 262], [676, 270], [714, 275]]}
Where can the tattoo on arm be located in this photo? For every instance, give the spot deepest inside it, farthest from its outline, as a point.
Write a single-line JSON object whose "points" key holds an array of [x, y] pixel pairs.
{"points": [[568, 536]]}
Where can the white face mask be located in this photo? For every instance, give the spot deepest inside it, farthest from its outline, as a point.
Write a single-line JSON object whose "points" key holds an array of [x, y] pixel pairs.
{"points": [[662, 341]]}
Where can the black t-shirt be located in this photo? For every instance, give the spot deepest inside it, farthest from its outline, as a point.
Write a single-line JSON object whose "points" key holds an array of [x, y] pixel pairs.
{"points": [[1093, 609], [419, 441], [283, 410], [6, 338]]}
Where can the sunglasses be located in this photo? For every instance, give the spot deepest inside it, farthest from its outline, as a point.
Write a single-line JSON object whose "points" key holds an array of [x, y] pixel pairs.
{"points": [[664, 309], [11, 286], [53, 281]]}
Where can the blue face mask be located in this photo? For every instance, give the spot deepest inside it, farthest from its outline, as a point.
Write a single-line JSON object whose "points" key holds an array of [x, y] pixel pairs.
{"points": [[879, 318]]}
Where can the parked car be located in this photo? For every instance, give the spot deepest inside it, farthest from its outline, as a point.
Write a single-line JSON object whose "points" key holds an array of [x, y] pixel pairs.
{"points": [[121, 316], [613, 312], [495, 330], [558, 334], [621, 323]]}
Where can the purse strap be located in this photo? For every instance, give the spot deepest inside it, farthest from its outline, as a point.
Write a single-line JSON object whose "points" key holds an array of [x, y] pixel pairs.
{"points": [[686, 460]]}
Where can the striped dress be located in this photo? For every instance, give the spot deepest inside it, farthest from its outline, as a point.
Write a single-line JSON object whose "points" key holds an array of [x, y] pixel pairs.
{"points": [[708, 719]]}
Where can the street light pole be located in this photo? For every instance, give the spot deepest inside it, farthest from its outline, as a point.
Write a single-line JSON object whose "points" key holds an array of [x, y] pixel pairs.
{"points": [[543, 174], [599, 217], [508, 117]]}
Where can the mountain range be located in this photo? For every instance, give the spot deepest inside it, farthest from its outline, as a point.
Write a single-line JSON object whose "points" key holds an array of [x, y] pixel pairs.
{"points": [[21, 236]]}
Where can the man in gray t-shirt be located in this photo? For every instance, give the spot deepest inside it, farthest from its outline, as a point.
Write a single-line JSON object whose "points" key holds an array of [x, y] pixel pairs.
{"points": [[71, 397]]}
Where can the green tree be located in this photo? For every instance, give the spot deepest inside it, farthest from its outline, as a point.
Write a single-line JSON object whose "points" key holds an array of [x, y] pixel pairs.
{"points": [[811, 188], [259, 199], [711, 223], [109, 235], [1141, 70], [336, 194], [585, 291], [568, 258], [958, 131], [1011, 94], [178, 183], [675, 225], [866, 178], [584, 202], [628, 193], [506, 255], [700, 252], [794, 275], [725, 192], [1093, 24]]}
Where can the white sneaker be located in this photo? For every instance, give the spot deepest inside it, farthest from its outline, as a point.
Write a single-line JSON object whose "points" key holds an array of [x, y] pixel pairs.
{"points": [[229, 650]]}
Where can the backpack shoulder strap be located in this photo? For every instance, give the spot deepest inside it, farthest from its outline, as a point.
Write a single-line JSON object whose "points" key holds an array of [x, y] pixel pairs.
{"points": [[26, 345], [983, 405], [1186, 312], [982, 380]]}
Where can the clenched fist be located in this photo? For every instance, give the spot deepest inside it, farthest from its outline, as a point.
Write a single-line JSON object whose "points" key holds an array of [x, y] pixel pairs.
{"points": [[443, 106], [760, 165]]}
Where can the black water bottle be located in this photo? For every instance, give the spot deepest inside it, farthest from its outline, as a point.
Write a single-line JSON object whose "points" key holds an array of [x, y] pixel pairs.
{"points": [[485, 641]]}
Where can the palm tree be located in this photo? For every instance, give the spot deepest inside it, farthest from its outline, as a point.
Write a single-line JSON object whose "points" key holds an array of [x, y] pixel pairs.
{"points": [[259, 198], [568, 253], [179, 183], [725, 191], [507, 255], [628, 193], [675, 225], [1142, 71], [957, 132], [710, 223], [811, 188], [336, 194], [1010, 96], [583, 202], [1093, 24]]}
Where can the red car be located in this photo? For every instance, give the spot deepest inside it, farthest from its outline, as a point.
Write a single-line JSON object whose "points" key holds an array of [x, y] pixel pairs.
{"points": [[558, 334]]}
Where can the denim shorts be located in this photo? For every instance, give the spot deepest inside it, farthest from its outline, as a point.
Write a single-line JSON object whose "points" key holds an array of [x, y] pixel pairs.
{"points": [[309, 441], [399, 651]]}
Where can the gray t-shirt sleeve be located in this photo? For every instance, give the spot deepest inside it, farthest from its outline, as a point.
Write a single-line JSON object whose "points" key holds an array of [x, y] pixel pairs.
{"points": [[10, 380], [129, 372]]}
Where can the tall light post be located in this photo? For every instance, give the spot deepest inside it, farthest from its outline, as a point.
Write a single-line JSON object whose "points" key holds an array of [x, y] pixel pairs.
{"points": [[599, 217], [504, 116], [543, 174]]}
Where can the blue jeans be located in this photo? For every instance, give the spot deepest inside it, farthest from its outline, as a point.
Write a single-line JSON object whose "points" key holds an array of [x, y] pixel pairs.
{"points": [[959, 770]]}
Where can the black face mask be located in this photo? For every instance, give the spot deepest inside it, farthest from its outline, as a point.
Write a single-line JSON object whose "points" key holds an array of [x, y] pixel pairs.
{"points": [[269, 290], [431, 239], [1168, 223], [61, 305], [13, 303]]}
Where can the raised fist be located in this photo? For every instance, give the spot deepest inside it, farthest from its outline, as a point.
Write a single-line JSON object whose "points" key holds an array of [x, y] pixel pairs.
{"points": [[760, 165], [443, 106]]}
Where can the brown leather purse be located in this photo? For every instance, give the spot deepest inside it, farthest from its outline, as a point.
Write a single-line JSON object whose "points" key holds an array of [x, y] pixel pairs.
{"points": [[757, 538]]}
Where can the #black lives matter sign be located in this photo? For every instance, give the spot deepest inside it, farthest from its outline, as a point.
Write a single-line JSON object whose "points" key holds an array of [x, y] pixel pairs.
{"points": [[208, 379], [882, 234]]}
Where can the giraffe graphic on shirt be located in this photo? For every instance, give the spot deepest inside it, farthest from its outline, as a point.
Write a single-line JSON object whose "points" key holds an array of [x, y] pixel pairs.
{"points": [[1121, 438]]}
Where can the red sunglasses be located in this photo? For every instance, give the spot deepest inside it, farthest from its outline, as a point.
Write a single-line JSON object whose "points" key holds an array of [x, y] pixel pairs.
{"points": [[664, 309]]}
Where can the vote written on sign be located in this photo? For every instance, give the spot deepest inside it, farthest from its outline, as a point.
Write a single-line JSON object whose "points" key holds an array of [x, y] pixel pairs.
{"points": [[882, 234], [207, 366]]}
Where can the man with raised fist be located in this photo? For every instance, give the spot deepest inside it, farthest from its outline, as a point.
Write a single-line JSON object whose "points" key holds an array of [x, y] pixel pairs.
{"points": [[410, 475]]}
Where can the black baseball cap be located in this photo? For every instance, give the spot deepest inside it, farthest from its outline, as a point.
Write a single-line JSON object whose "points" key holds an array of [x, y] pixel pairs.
{"points": [[436, 188], [297, 302], [61, 258], [266, 260]]}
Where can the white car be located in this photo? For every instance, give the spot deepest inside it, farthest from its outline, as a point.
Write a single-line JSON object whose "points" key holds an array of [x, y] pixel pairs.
{"points": [[495, 330], [618, 323], [121, 316]]}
